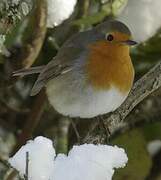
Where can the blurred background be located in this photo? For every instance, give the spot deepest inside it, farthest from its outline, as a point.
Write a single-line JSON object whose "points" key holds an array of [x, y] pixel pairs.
{"points": [[31, 34]]}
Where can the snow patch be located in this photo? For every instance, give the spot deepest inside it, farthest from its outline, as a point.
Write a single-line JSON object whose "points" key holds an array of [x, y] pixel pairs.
{"points": [[87, 162], [143, 18], [154, 147], [58, 11]]}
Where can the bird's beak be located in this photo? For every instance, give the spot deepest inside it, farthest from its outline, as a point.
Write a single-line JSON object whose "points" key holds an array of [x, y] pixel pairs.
{"points": [[129, 42]]}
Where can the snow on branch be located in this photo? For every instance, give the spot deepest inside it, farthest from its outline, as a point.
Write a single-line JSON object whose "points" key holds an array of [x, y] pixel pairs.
{"points": [[143, 17], [58, 11], [87, 162]]}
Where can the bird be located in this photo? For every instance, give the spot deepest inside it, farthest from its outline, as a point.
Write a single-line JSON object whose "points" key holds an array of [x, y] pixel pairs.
{"points": [[92, 73]]}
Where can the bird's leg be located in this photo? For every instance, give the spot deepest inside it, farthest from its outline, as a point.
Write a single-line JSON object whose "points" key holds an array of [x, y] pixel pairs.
{"points": [[106, 129], [76, 131]]}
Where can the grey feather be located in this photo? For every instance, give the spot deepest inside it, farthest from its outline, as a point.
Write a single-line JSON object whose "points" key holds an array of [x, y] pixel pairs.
{"points": [[47, 75], [32, 70], [112, 25]]}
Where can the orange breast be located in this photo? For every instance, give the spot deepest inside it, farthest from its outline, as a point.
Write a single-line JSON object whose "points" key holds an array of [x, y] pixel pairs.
{"points": [[109, 65]]}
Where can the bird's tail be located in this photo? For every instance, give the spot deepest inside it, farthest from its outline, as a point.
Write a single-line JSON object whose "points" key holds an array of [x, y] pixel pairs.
{"points": [[32, 70]]}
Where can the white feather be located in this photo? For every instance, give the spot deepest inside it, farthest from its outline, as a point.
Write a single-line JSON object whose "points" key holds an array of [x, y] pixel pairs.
{"points": [[71, 96]]}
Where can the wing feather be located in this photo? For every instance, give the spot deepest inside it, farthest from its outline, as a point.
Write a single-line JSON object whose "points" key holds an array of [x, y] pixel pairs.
{"points": [[74, 48], [61, 64], [32, 70]]}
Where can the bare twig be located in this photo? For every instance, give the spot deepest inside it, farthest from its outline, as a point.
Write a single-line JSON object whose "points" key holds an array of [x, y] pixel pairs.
{"points": [[27, 166], [150, 82], [37, 37], [75, 130], [4, 162], [32, 39], [11, 174], [83, 8]]}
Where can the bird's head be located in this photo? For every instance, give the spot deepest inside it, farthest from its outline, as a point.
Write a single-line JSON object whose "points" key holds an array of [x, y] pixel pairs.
{"points": [[115, 33]]}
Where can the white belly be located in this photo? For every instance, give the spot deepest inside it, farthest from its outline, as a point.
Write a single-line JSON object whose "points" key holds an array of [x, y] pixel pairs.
{"points": [[72, 98]]}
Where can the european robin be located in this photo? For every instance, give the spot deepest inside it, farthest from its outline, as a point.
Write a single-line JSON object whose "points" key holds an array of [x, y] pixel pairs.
{"points": [[92, 73]]}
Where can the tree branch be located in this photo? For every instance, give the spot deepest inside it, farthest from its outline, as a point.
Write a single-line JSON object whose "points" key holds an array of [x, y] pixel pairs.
{"points": [[150, 82], [27, 166]]}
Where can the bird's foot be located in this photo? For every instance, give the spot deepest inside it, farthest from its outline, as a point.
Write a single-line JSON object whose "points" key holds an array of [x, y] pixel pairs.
{"points": [[76, 131], [105, 127]]}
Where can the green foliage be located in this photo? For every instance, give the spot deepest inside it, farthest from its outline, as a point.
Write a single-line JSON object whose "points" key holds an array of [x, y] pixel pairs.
{"points": [[152, 131], [139, 162], [147, 54]]}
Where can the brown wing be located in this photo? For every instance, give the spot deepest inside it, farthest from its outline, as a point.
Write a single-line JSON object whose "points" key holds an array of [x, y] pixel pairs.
{"points": [[49, 73], [61, 64], [74, 48]]}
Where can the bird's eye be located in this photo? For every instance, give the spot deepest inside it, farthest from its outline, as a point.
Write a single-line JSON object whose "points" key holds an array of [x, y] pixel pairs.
{"points": [[110, 37]]}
